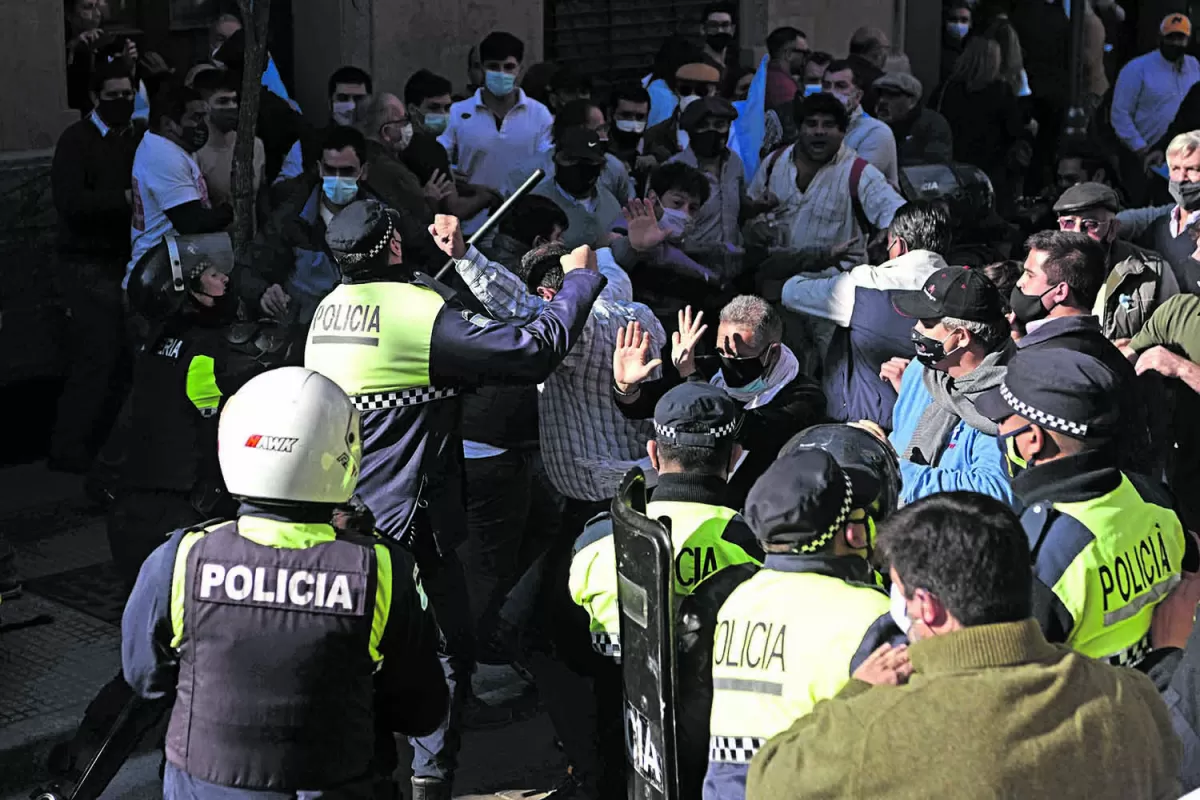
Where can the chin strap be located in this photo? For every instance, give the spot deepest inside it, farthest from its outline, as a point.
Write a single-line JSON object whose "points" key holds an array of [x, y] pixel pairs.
{"points": [[176, 263]]}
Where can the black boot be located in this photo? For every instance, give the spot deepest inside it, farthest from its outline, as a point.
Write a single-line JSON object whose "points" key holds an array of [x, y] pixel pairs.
{"points": [[430, 789]]}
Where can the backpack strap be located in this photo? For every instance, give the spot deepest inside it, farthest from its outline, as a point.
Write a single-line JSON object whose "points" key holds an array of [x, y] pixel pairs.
{"points": [[771, 159], [860, 214]]}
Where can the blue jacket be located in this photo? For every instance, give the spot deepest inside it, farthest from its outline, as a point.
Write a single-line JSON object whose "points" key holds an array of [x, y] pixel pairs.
{"points": [[971, 461]]}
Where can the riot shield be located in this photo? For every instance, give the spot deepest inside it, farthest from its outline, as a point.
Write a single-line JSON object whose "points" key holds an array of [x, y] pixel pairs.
{"points": [[646, 588]]}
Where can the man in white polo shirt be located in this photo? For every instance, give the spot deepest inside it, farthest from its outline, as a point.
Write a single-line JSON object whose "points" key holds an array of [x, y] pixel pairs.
{"points": [[499, 125], [168, 191]]}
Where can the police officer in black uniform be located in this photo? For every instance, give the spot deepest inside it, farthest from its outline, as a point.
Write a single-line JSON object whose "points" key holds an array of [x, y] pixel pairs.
{"points": [[285, 642]]}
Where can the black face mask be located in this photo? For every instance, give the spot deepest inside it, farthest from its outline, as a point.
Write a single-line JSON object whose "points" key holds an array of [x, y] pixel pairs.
{"points": [[930, 351], [115, 113], [1186, 194], [1028, 307], [1172, 52], [719, 41], [194, 137], [224, 119], [578, 180], [709, 144], [739, 372]]}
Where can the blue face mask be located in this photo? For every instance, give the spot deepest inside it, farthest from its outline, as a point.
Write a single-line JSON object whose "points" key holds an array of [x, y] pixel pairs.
{"points": [[339, 190], [436, 123], [499, 83]]}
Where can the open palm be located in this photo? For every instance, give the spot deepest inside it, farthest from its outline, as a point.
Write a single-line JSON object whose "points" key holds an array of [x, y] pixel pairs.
{"points": [[644, 232], [631, 360], [684, 340]]}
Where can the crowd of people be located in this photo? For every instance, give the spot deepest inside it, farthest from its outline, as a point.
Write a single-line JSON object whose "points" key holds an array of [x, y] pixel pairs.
{"points": [[927, 460]]}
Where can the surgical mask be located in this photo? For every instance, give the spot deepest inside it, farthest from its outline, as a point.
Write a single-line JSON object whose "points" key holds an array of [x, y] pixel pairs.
{"points": [[499, 83], [898, 609], [958, 29], [406, 134], [709, 144], [1186, 194], [1172, 52], [686, 101], [931, 351], [1013, 461], [115, 113], [675, 222], [811, 89], [224, 119], [436, 123], [744, 374], [343, 113], [578, 180], [631, 126], [845, 99], [339, 190], [194, 137], [1028, 307]]}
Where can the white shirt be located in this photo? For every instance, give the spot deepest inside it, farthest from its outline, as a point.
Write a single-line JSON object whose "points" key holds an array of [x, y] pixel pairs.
{"points": [[831, 297], [484, 153], [164, 177]]}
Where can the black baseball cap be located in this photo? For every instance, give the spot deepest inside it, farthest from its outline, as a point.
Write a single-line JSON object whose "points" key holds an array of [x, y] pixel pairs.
{"points": [[710, 415], [1059, 389], [959, 292], [581, 144]]}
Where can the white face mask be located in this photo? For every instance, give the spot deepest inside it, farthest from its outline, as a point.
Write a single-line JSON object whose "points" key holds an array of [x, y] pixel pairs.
{"points": [[343, 113], [675, 222], [631, 126], [406, 134], [844, 99], [686, 101], [899, 610]]}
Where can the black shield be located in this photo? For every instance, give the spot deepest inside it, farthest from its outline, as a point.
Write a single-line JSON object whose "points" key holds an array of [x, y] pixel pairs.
{"points": [[645, 579]]}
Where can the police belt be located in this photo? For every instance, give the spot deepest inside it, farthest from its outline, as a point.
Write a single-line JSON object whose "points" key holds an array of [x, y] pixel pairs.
{"points": [[1132, 655], [402, 398], [734, 749]]}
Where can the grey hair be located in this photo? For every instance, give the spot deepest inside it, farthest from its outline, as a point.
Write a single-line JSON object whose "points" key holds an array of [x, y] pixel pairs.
{"points": [[226, 18], [1184, 144], [753, 312], [990, 333]]}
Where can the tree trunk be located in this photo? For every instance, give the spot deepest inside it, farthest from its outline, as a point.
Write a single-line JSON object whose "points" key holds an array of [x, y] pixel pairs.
{"points": [[255, 15]]}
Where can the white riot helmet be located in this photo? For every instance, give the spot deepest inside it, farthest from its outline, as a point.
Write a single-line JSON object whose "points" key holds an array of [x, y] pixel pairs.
{"points": [[290, 435]]}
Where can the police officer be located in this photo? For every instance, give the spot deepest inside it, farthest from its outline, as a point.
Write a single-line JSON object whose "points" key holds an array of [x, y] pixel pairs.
{"points": [[1107, 546], [404, 353], [773, 658], [694, 451], [283, 641]]}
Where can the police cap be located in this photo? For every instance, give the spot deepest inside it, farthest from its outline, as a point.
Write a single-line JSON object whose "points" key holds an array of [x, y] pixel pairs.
{"points": [[803, 499], [706, 415], [1083, 196], [1057, 389], [360, 234]]}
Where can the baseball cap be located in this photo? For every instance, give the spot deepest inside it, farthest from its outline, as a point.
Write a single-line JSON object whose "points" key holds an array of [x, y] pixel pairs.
{"points": [[900, 83], [1083, 196], [959, 292], [581, 145], [1056, 388], [1175, 23], [710, 415]]}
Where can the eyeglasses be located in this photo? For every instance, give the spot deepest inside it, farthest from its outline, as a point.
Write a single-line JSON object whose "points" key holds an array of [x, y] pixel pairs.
{"points": [[1081, 226]]}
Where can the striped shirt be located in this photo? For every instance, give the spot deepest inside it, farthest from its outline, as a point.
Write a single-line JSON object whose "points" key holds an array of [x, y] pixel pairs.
{"points": [[823, 216], [587, 444]]}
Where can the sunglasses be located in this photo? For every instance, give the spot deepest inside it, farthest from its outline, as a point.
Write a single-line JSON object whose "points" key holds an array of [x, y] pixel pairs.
{"points": [[1081, 226]]}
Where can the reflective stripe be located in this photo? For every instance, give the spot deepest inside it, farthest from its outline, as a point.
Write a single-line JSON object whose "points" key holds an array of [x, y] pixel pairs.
{"points": [[402, 399], [1156, 593], [383, 599], [178, 587], [607, 644], [741, 685], [284, 535], [734, 749], [202, 387]]}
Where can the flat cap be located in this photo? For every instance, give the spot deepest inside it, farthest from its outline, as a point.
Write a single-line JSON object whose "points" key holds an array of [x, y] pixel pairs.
{"points": [[899, 82], [698, 110], [1083, 196], [1058, 389], [709, 414], [803, 499], [698, 73]]}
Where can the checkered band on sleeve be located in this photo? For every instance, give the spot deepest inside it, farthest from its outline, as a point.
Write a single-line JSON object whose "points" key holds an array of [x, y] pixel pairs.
{"points": [[354, 258], [401, 399], [607, 644], [1041, 417], [838, 522], [734, 749], [672, 433], [1131, 656]]}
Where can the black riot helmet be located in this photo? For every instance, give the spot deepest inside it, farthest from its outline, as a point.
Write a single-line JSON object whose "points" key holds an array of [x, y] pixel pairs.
{"points": [[871, 464], [161, 279]]}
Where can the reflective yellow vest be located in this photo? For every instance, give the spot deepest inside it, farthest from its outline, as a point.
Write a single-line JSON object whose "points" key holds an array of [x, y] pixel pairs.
{"points": [[696, 531]]}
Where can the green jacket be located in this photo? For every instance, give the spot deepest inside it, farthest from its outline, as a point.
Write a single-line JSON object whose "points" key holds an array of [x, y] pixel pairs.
{"points": [[993, 711]]}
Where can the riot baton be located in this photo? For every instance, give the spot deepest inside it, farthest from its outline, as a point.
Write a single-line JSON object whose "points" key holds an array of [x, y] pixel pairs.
{"points": [[525, 188]]}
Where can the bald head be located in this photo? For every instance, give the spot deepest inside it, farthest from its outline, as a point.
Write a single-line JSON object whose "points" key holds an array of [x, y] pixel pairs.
{"points": [[225, 26], [387, 122], [872, 44]]}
